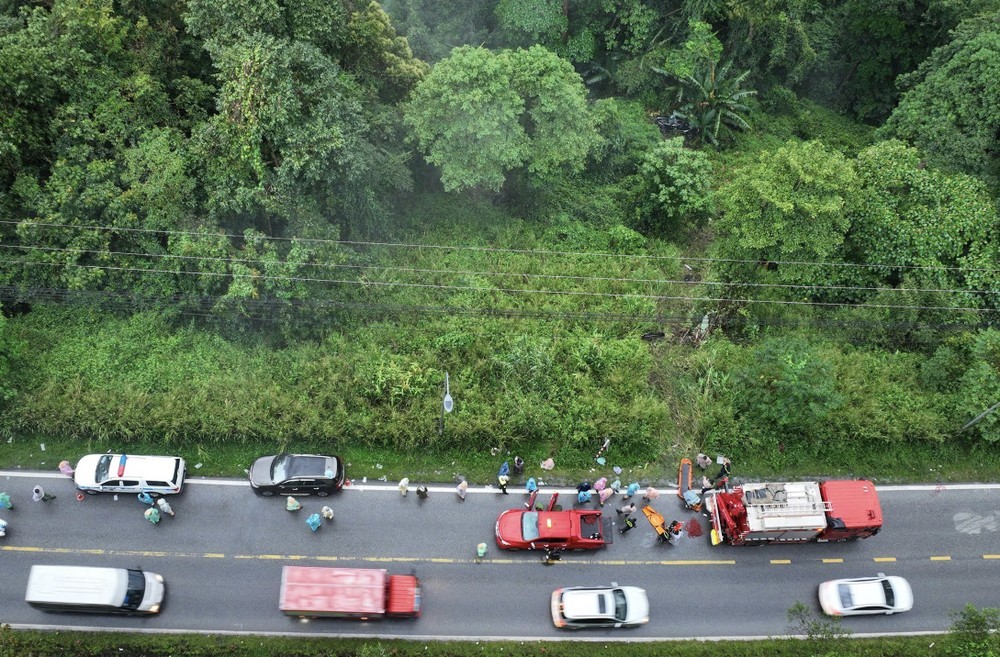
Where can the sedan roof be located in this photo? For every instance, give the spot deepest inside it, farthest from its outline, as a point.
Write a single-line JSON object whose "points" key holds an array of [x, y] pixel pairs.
{"points": [[869, 593]]}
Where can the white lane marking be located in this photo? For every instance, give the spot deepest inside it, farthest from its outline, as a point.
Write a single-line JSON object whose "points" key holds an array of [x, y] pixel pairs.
{"points": [[488, 489]]}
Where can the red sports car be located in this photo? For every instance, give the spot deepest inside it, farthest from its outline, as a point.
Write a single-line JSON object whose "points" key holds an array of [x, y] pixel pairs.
{"points": [[576, 529]]}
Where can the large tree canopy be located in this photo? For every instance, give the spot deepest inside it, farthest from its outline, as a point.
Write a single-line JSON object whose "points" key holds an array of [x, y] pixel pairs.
{"points": [[934, 228], [791, 205], [125, 125], [952, 108], [479, 115]]}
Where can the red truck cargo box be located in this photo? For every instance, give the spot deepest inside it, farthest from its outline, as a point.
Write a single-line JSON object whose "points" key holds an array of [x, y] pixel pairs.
{"points": [[320, 591]]}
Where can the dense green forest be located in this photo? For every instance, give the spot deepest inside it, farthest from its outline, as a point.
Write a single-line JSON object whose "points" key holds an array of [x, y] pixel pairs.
{"points": [[765, 228]]}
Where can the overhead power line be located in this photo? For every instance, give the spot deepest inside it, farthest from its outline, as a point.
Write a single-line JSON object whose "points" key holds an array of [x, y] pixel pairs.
{"points": [[264, 309], [540, 252], [472, 272], [525, 291]]}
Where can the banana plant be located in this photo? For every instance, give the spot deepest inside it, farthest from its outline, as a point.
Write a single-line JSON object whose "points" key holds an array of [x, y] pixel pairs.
{"points": [[712, 101]]}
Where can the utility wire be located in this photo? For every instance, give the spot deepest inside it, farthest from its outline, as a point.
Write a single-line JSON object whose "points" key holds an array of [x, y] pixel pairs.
{"points": [[613, 295], [471, 272], [542, 252], [207, 306]]}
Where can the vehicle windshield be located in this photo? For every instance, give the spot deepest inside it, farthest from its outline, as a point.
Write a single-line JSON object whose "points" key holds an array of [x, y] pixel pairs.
{"points": [[846, 602], [279, 469], [621, 609], [103, 465], [136, 589], [890, 597], [529, 525]]}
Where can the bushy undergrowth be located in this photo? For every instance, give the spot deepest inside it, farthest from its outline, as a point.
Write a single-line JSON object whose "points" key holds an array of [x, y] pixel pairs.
{"points": [[537, 387], [141, 378], [540, 337]]}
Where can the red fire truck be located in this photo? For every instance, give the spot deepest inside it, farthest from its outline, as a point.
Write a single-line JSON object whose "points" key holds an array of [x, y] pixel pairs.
{"points": [[362, 593], [795, 512]]}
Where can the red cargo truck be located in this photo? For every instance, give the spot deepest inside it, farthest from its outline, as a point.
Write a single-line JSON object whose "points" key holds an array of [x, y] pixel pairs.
{"points": [[795, 512], [362, 593]]}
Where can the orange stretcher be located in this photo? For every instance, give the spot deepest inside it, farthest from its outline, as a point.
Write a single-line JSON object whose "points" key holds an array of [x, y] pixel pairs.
{"points": [[663, 531], [685, 481]]}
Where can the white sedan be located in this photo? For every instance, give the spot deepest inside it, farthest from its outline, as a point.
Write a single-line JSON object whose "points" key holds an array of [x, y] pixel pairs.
{"points": [[866, 595], [580, 607]]}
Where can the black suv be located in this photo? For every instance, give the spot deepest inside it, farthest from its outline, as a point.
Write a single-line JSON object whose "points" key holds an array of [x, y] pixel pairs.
{"points": [[297, 474]]}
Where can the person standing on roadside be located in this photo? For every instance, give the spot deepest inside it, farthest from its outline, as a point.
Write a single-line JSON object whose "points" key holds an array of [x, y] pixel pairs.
{"points": [[502, 481], [165, 507], [461, 489], [722, 479], [626, 510]]}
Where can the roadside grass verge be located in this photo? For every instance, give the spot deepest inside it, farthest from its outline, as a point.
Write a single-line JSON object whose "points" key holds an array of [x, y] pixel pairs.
{"points": [[893, 464], [84, 644]]}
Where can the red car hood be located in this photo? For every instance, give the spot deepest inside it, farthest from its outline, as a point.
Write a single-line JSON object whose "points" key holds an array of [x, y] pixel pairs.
{"points": [[509, 528]]}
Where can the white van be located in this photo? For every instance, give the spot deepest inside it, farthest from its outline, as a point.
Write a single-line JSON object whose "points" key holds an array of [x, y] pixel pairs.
{"points": [[97, 590]]}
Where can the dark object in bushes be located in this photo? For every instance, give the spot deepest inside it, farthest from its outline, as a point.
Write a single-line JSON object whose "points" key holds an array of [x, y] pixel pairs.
{"points": [[675, 125]]}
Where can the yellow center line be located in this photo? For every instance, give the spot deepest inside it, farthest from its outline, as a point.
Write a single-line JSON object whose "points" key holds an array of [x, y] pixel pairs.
{"points": [[991, 556], [25, 548], [500, 560]]}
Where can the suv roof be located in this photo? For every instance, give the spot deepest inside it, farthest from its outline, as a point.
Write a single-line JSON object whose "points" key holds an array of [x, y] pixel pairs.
{"points": [[160, 468], [589, 603]]}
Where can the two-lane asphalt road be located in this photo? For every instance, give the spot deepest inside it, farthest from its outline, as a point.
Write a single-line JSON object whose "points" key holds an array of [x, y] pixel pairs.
{"points": [[222, 555]]}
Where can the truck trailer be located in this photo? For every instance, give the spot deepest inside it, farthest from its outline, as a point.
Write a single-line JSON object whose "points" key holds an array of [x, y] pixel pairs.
{"points": [[795, 512], [362, 593]]}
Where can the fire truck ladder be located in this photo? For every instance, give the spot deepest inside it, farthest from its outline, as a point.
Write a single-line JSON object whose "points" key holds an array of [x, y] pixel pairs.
{"points": [[784, 509]]}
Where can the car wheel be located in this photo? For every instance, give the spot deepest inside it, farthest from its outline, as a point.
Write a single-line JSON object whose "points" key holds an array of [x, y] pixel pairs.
{"points": [[322, 493], [91, 492], [267, 493]]}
